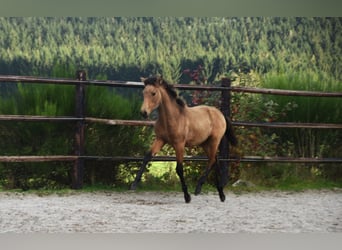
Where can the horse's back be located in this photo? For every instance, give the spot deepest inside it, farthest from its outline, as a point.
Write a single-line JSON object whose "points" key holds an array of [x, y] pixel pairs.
{"points": [[204, 122], [209, 114]]}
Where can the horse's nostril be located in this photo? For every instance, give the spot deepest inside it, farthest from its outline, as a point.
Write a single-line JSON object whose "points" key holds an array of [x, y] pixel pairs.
{"points": [[144, 114]]}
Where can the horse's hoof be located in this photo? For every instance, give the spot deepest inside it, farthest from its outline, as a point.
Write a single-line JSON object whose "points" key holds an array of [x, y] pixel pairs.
{"points": [[133, 187], [198, 190], [187, 198], [222, 197]]}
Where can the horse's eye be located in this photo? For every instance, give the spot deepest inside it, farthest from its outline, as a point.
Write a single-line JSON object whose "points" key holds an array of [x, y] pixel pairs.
{"points": [[153, 93]]}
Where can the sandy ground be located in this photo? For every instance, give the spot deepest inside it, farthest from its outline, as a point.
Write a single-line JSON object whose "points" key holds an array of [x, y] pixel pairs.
{"points": [[132, 212]]}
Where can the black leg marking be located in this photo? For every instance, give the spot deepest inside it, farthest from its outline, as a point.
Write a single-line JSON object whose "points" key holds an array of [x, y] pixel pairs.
{"points": [[179, 170], [137, 179], [220, 181], [202, 180]]}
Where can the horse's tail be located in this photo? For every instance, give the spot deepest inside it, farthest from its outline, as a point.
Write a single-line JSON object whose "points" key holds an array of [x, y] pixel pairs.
{"points": [[229, 136], [230, 132]]}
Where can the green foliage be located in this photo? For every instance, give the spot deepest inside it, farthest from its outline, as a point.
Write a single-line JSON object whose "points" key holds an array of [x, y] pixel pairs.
{"points": [[291, 176], [287, 142], [36, 138], [111, 140], [129, 47], [308, 142], [310, 109], [44, 138]]}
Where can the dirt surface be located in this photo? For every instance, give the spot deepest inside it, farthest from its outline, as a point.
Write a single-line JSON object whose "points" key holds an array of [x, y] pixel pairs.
{"points": [[132, 212]]}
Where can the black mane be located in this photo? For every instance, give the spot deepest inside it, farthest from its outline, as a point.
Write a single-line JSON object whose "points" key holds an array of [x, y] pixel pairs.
{"points": [[169, 89]]}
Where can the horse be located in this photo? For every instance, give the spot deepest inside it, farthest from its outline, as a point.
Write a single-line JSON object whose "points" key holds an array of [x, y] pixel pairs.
{"points": [[182, 126]]}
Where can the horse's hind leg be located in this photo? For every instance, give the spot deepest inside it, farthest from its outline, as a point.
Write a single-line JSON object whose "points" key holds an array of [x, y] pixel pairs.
{"points": [[202, 180], [219, 182], [210, 149]]}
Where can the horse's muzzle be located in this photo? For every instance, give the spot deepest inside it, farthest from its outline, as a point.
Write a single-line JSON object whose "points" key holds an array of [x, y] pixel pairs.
{"points": [[144, 114]]}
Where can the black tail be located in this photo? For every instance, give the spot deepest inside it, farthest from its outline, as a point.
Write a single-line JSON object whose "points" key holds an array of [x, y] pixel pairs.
{"points": [[230, 133], [223, 173]]}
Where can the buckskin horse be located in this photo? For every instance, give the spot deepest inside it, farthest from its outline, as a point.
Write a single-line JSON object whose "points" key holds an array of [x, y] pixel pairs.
{"points": [[181, 126]]}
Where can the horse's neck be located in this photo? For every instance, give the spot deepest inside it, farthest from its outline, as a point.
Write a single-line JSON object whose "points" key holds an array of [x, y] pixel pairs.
{"points": [[169, 112]]}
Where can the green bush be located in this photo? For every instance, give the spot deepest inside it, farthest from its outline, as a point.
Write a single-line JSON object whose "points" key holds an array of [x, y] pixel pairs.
{"points": [[57, 138], [36, 138], [287, 142], [309, 142], [108, 140]]}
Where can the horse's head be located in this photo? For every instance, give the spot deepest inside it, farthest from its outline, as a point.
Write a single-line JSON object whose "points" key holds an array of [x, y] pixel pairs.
{"points": [[152, 95]]}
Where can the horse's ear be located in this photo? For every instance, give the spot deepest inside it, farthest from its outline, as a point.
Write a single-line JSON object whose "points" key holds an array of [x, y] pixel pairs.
{"points": [[143, 79]]}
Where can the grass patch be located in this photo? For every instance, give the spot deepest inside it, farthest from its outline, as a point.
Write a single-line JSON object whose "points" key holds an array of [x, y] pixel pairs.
{"points": [[288, 185], [162, 177], [307, 185], [207, 188]]}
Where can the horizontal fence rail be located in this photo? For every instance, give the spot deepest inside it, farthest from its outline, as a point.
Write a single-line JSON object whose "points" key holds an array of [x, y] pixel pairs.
{"points": [[286, 92], [132, 84], [80, 119], [289, 125], [151, 123], [39, 118], [34, 158], [67, 158], [242, 159]]}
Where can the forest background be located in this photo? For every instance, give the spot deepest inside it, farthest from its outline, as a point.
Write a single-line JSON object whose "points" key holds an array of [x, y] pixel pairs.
{"points": [[286, 53]]}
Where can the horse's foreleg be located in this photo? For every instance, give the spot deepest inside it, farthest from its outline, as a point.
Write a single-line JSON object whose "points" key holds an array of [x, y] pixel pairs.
{"points": [[137, 179], [179, 169], [156, 146]]}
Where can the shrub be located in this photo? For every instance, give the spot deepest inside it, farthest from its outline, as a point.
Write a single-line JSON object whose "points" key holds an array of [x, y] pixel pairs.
{"points": [[47, 138]]}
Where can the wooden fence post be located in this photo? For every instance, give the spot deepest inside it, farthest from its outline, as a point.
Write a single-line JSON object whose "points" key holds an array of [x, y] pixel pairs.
{"points": [[224, 145], [77, 175]]}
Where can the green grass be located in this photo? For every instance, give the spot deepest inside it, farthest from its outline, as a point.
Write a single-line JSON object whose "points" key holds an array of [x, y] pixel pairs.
{"points": [[309, 109], [286, 186], [307, 142], [307, 185]]}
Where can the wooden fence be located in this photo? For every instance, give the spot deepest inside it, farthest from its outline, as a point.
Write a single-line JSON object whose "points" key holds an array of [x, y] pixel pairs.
{"points": [[80, 119]]}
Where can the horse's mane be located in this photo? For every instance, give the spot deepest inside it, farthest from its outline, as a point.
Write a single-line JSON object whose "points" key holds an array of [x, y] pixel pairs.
{"points": [[168, 87]]}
